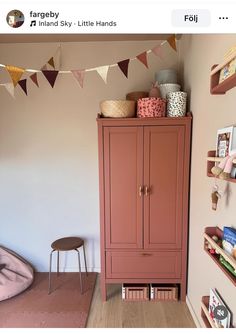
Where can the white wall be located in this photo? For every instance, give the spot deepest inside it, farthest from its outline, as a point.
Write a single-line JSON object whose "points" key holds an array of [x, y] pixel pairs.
{"points": [[48, 145], [210, 112]]}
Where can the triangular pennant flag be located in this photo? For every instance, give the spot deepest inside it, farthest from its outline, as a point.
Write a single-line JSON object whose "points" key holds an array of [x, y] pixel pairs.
{"points": [[22, 83], [103, 71], [124, 65], [50, 76], [172, 41], [51, 62], [10, 88], [157, 50], [15, 73], [143, 58], [44, 67], [34, 78], [57, 58], [79, 76]]}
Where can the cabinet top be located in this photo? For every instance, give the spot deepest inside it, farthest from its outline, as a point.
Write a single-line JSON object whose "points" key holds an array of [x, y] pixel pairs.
{"points": [[135, 121]]}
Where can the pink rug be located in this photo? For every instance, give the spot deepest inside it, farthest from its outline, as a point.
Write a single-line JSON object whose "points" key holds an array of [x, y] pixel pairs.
{"points": [[65, 307]]}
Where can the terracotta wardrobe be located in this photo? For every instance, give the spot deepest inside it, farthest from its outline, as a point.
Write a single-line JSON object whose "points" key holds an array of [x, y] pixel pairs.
{"points": [[144, 190]]}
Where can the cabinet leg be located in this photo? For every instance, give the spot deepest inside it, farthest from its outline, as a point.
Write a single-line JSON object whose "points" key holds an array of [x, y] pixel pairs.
{"points": [[103, 291], [183, 292]]}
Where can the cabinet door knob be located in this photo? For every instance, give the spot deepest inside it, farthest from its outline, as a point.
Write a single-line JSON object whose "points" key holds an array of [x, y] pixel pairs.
{"points": [[146, 190], [140, 191], [146, 254]]}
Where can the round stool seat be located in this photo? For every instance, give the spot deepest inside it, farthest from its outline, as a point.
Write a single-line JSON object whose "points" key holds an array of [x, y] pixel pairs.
{"points": [[66, 244]]}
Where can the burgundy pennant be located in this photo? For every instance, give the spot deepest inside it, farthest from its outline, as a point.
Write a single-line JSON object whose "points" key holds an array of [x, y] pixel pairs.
{"points": [[34, 78], [22, 83], [51, 76], [143, 58], [124, 65]]}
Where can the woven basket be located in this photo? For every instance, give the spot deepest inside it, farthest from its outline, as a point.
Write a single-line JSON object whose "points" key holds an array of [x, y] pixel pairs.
{"points": [[118, 108], [134, 96]]}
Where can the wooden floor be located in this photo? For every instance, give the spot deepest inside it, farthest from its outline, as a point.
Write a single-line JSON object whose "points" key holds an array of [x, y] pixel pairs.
{"points": [[116, 313]]}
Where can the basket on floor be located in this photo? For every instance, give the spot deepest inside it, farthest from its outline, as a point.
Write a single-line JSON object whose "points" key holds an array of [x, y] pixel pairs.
{"points": [[135, 292], [118, 108], [161, 292]]}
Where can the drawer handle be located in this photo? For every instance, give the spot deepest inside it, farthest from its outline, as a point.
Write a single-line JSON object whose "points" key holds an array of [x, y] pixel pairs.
{"points": [[146, 254]]}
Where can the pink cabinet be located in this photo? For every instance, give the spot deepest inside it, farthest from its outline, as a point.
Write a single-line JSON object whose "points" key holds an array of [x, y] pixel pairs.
{"points": [[144, 181]]}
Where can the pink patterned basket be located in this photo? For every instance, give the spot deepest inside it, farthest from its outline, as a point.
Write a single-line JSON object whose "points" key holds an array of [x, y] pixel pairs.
{"points": [[151, 107]]}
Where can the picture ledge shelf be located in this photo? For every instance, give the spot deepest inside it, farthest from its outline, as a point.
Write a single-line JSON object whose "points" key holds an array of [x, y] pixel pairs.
{"points": [[209, 323], [209, 232], [211, 160], [229, 83]]}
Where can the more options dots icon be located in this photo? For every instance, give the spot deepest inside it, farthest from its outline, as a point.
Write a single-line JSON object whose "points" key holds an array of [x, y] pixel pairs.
{"points": [[15, 18]]}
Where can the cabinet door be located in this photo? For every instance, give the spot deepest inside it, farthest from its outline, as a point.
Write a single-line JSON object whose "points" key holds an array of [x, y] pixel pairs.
{"points": [[163, 175], [123, 174]]}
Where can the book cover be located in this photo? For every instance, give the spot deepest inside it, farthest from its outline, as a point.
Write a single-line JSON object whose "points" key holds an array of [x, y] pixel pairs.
{"points": [[219, 313], [229, 240]]}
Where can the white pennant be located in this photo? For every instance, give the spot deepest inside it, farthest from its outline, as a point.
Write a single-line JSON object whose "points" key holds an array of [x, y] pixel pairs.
{"points": [[103, 71], [10, 88], [57, 58]]}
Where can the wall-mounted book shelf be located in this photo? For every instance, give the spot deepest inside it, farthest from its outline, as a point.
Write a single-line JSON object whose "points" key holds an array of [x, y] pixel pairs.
{"points": [[229, 83], [209, 323], [211, 161], [209, 232]]}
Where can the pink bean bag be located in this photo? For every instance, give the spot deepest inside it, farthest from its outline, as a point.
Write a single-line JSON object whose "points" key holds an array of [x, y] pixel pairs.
{"points": [[16, 274]]}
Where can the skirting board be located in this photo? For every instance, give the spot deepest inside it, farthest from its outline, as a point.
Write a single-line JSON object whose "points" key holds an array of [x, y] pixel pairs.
{"points": [[75, 269], [193, 314]]}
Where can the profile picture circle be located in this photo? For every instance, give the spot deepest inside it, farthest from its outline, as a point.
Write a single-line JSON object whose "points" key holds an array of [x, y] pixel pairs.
{"points": [[15, 18]]}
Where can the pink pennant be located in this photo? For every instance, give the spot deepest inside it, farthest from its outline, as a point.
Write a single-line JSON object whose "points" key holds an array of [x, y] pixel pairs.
{"points": [[44, 68], [50, 76], [124, 65], [22, 83], [157, 50], [34, 78], [79, 76], [143, 58]]}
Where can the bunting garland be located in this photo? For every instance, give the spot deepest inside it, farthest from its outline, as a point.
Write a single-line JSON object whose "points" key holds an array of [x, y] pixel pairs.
{"points": [[103, 71], [55, 62], [51, 76], [172, 42], [10, 88], [157, 50], [51, 62], [79, 76], [15, 73], [143, 58], [22, 84], [124, 66], [34, 78]]}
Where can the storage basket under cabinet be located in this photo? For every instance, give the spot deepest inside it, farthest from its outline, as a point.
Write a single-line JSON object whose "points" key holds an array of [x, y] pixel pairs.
{"points": [[161, 292], [135, 292]]}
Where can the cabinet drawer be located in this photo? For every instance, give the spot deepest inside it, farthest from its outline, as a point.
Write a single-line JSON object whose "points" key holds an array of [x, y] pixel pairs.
{"points": [[143, 264]]}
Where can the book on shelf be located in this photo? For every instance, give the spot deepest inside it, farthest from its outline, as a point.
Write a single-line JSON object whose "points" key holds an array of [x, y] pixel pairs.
{"points": [[218, 310]]}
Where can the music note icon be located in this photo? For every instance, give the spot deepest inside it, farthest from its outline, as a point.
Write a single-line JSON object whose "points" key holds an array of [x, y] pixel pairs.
{"points": [[33, 23]]}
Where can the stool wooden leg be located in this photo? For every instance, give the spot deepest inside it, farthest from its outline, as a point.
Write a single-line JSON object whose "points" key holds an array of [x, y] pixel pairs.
{"points": [[85, 263], [50, 269], [81, 283], [57, 263]]}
